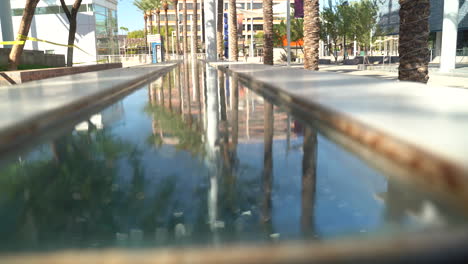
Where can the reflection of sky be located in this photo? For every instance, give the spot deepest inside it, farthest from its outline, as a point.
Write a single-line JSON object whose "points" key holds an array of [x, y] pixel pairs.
{"points": [[346, 187]]}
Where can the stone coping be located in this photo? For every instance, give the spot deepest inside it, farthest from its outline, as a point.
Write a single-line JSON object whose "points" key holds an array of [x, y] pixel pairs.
{"points": [[432, 247], [16, 77], [27, 109], [410, 130]]}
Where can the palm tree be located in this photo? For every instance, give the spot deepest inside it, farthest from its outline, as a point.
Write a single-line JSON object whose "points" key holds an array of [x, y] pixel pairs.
{"points": [[25, 25], [311, 34], [143, 6], [157, 7], [195, 28], [165, 6], [176, 8], [414, 35], [185, 37], [219, 29], [268, 32], [233, 52]]}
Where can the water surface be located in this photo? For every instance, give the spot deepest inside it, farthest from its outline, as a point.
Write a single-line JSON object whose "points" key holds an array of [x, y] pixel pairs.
{"points": [[195, 158]]}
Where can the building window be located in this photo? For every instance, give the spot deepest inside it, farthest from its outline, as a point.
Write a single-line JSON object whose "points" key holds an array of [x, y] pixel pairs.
{"points": [[52, 9], [106, 31], [257, 6]]}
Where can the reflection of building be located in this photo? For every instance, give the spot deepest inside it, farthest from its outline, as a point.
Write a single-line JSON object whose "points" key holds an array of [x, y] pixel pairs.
{"points": [[96, 29], [107, 117]]}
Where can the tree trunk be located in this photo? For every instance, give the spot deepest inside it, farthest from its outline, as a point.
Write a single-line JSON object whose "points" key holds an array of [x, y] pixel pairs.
{"points": [[233, 50], [311, 34], [220, 30], [71, 16], [176, 7], [71, 41], [185, 39], [268, 32], [151, 21], [25, 25], [145, 31], [166, 26], [413, 44], [195, 28], [158, 20]]}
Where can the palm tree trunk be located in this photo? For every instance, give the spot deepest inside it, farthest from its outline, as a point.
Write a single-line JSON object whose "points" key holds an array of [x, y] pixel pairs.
{"points": [[158, 20], [25, 25], [195, 28], [151, 21], [145, 31], [185, 40], [219, 29], [167, 31], [413, 45], [268, 32], [176, 8], [311, 34], [233, 52]]}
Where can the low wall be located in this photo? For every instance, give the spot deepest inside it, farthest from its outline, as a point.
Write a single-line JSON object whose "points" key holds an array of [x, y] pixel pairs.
{"points": [[17, 77], [34, 57]]}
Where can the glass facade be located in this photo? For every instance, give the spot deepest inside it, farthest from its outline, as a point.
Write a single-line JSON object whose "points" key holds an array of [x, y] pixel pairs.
{"points": [[106, 24], [106, 31], [52, 9]]}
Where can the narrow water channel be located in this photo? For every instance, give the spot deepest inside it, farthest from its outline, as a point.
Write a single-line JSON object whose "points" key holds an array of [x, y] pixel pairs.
{"points": [[196, 158]]}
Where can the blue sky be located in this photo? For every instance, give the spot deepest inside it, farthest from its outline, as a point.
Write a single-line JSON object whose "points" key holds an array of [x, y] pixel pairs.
{"points": [[132, 18], [129, 16]]}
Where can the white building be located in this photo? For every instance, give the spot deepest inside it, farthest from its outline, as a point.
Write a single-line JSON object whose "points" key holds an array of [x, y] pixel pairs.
{"points": [[97, 28]]}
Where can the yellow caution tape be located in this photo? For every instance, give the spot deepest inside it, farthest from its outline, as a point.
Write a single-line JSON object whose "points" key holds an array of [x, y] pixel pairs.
{"points": [[12, 42], [22, 39], [89, 61]]}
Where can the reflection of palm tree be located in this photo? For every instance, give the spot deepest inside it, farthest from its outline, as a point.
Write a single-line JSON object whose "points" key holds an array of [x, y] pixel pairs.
{"points": [[169, 82], [235, 113], [309, 168], [267, 162], [179, 86]]}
